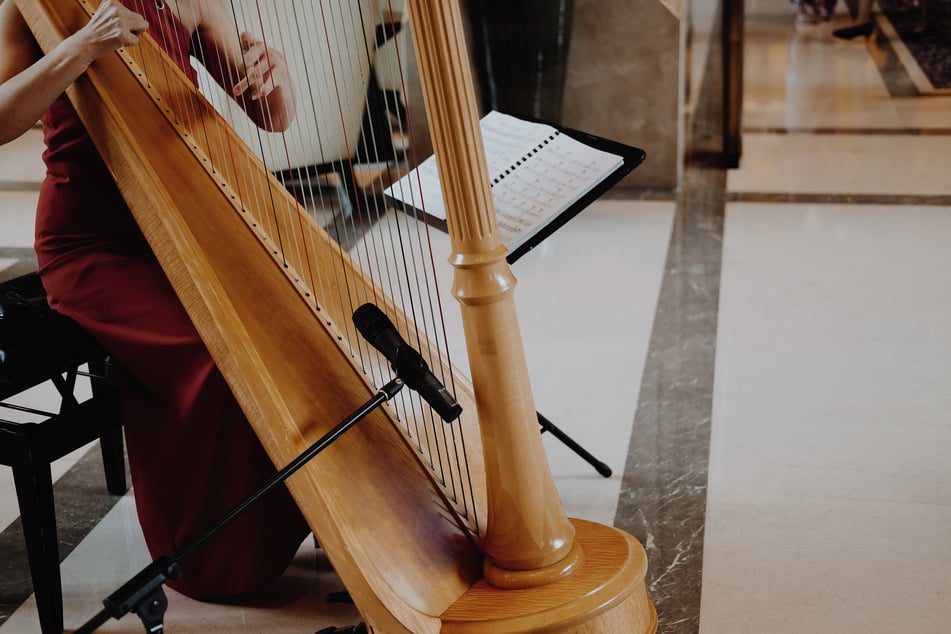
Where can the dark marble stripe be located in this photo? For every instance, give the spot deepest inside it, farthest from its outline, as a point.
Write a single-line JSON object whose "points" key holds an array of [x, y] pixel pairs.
{"points": [[25, 262], [81, 502], [663, 491], [834, 199], [849, 131], [630, 193]]}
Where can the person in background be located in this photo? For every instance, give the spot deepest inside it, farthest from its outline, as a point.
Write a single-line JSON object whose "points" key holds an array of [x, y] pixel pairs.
{"points": [[863, 26], [814, 11], [192, 453], [863, 20]]}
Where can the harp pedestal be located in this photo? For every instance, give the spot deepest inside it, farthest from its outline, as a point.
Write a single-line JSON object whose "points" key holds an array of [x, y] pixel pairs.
{"points": [[606, 594]]}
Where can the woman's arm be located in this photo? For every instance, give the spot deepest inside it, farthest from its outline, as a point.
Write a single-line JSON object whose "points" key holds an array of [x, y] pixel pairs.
{"points": [[254, 74], [31, 81]]}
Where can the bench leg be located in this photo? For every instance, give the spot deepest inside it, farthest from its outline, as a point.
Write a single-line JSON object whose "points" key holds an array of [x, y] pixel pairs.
{"points": [[113, 448], [34, 486], [113, 460]]}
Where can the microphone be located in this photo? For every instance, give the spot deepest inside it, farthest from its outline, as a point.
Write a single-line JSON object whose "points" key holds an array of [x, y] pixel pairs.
{"points": [[408, 364]]}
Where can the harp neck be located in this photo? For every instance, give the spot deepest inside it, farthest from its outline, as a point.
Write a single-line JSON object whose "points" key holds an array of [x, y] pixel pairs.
{"points": [[529, 540]]}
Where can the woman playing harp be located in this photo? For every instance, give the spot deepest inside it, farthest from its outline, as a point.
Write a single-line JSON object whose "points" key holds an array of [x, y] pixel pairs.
{"points": [[410, 557], [191, 451]]}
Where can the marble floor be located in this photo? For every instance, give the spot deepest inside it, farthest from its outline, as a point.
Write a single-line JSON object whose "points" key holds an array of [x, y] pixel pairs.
{"points": [[763, 359]]}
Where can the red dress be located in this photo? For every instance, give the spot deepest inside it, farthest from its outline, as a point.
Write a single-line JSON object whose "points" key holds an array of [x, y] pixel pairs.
{"points": [[192, 453]]}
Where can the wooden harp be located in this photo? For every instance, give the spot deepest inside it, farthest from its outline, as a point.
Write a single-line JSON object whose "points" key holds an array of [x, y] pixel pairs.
{"points": [[416, 554]]}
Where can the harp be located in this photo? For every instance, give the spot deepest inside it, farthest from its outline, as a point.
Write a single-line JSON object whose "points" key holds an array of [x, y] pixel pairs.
{"points": [[436, 535]]}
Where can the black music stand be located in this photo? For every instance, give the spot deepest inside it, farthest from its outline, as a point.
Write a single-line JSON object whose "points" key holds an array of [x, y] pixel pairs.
{"points": [[629, 157], [547, 425]]}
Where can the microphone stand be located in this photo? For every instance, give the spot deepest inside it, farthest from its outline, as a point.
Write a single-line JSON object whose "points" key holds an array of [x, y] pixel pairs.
{"points": [[143, 594]]}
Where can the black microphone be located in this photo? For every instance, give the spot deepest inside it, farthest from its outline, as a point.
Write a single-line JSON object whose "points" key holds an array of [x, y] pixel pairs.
{"points": [[408, 364]]}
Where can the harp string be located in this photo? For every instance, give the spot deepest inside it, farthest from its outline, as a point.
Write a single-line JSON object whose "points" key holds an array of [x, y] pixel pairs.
{"points": [[302, 244], [267, 200], [403, 240], [425, 440], [392, 248], [367, 211], [294, 179], [316, 97], [456, 467]]}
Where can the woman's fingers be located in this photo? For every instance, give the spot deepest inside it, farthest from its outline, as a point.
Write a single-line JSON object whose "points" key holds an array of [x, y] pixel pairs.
{"points": [[258, 80], [113, 26]]}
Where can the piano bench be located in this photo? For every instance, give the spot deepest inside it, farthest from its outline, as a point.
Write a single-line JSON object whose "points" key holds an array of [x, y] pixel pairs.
{"points": [[38, 345]]}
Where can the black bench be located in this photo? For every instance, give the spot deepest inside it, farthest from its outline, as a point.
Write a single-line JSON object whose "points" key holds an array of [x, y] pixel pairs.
{"points": [[39, 345]]}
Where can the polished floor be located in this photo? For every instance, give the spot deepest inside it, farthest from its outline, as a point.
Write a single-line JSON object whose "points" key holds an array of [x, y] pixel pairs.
{"points": [[763, 358]]}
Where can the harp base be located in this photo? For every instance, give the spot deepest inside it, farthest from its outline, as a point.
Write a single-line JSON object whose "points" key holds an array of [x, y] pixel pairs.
{"points": [[511, 579], [605, 595]]}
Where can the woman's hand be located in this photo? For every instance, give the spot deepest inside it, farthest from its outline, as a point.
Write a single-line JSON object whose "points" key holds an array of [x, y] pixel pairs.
{"points": [[112, 26], [254, 74], [265, 69]]}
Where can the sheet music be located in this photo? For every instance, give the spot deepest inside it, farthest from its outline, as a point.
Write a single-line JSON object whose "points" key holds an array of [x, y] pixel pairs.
{"points": [[536, 173]]}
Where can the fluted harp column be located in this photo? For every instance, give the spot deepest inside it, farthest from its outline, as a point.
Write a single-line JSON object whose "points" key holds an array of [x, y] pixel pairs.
{"points": [[528, 539]]}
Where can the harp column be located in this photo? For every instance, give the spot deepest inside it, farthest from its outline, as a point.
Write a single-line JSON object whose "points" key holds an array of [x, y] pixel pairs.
{"points": [[528, 539]]}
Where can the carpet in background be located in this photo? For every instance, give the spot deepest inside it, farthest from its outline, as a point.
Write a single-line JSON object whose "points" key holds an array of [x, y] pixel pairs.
{"points": [[931, 50]]}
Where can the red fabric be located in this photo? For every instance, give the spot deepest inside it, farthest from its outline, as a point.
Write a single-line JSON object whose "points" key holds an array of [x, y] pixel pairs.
{"points": [[192, 453]]}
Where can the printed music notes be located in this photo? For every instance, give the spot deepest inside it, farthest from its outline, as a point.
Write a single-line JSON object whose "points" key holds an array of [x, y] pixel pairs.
{"points": [[539, 175]]}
